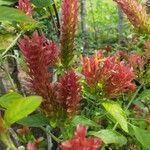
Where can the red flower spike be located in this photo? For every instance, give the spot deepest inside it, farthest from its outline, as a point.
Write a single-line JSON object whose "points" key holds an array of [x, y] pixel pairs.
{"points": [[136, 13], [40, 53], [90, 68], [69, 19], [120, 80], [31, 146], [80, 142], [69, 92], [25, 6]]}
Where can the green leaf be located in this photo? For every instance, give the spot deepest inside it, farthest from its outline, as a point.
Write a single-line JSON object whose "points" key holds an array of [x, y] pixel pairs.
{"points": [[12, 14], [7, 100], [109, 137], [41, 3], [37, 120], [142, 136], [83, 120], [145, 95], [6, 40], [21, 109], [117, 113], [7, 2]]}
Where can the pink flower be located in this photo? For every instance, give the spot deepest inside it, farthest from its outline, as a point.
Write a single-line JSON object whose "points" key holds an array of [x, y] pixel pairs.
{"points": [[80, 142], [114, 76], [90, 68], [69, 92], [136, 61], [120, 80], [31, 146], [25, 6], [69, 19]]}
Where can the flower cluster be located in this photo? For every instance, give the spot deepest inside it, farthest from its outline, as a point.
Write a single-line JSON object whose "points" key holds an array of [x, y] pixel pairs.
{"points": [[136, 13], [120, 80], [40, 53], [69, 18], [90, 68], [114, 75], [80, 142], [25, 6], [136, 61], [69, 92]]}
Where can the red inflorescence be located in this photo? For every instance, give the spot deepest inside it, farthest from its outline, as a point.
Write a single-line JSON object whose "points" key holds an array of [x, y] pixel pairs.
{"points": [[25, 6], [69, 19], [90, 68], [115, 76], [69, 92], [120, 80], [40, 53], [136, 61], [80, 142], [136, 13]]}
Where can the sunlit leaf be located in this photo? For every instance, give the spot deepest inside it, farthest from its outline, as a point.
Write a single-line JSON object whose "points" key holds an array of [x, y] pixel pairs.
{"points": [[117, 113], [21, 109], [8, 99], [12, 14], [109, 137]]}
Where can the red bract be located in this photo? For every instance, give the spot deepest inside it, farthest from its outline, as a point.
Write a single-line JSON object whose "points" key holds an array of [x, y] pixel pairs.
{"points": [[69, 92], [25, 6], [31, 146], [120, 80], [80, 142], [136, 61], [136, 13], [40, 53], [90, 68], [106, 68], [69, 20], [114, 76]]}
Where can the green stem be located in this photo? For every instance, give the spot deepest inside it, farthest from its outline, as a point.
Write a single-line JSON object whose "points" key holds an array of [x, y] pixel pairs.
{"points": [[7, 141], [130, 102], [10, 79], [12, 44], [132, 99], [52, 135]]}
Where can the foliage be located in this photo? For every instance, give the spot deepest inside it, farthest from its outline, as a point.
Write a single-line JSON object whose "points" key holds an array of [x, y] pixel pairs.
{"points": [[104, 94]]}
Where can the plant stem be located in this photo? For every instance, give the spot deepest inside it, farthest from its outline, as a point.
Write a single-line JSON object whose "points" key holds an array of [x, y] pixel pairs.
{"points": [[12, 44], [52, 135], [10, 79], [135, 94], [7, 141], [130, 102]]}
